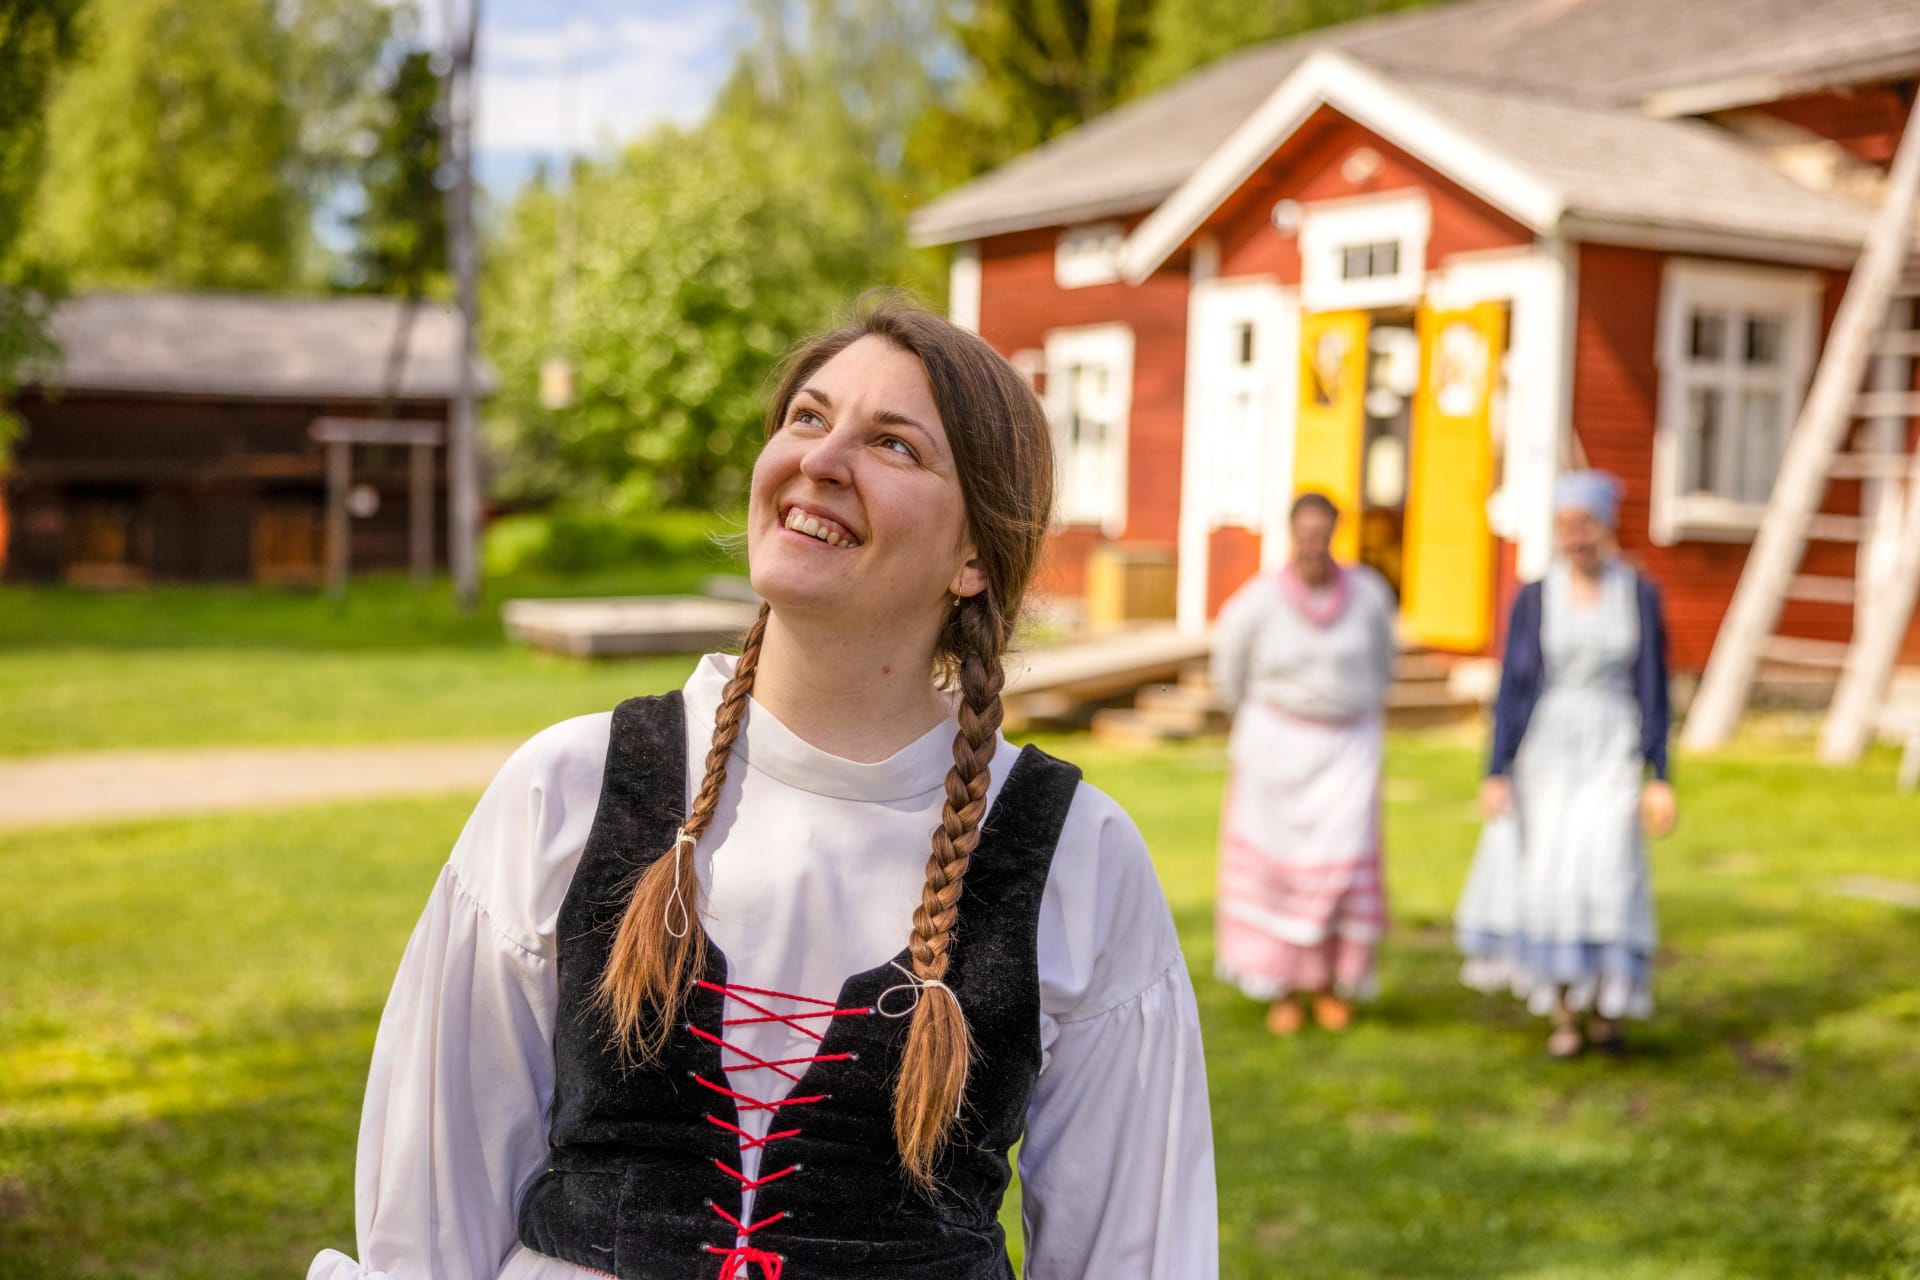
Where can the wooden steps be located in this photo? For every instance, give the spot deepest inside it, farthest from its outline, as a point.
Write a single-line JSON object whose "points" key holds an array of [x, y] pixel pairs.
{"points": [[1421, 697]]}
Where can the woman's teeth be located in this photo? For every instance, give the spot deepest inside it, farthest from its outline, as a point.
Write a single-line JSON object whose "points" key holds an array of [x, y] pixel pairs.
{"points": [[800, 522]]}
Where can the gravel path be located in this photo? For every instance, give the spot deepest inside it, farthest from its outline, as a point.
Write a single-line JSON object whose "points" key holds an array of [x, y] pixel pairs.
{"points": [[105, 786]]}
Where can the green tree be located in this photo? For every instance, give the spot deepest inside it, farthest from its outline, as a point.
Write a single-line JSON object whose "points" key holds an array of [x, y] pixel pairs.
{"points": [[700, 256], [191, 144], [36, 37], [1187, 34], [401, 229], [1029, 70]]}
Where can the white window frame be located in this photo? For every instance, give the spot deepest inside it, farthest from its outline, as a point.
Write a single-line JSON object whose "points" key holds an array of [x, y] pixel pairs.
{"points": [[1091, 490], [1688, 285], [1088, 253], [1329, 228], [963, 286]]}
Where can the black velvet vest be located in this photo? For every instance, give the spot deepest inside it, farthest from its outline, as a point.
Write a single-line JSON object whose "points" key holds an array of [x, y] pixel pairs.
{"points": [[637, 1164]]}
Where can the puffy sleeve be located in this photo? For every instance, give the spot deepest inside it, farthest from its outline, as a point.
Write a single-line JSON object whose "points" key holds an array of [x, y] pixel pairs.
{"points": [[454, 1123], [1234, 633], [1117, 1166]]}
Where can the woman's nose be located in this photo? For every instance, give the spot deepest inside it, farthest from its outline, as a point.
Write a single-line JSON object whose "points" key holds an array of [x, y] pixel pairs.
{"points": [[828, 458]]}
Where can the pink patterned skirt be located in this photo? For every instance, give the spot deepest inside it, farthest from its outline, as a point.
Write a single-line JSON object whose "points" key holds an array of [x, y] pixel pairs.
{"points": [[1301, 903]]}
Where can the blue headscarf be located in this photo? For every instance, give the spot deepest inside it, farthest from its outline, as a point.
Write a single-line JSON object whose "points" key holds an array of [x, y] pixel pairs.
{"points": [[1595, 492]]}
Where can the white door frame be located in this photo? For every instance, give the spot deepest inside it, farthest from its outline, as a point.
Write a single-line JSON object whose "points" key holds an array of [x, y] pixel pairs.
{"points": [[1216, 309]]}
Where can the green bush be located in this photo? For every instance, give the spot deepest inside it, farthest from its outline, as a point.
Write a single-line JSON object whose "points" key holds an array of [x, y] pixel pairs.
{"points": [[573, 539]]}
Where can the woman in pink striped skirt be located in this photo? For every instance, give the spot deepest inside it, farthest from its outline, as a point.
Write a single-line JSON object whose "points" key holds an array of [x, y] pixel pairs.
{"points": [[1303, 658]]}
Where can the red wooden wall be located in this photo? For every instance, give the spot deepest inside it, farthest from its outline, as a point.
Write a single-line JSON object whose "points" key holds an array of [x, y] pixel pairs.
{"points": [[1308, 167], [1019, 303], [1615, 387]]}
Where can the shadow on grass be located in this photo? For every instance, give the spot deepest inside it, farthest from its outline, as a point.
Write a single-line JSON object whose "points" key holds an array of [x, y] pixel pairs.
{"points": [[242, 1167], [1746, 1133]]}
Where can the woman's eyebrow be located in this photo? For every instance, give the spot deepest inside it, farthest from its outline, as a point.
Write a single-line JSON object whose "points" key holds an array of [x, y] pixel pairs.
{"points": [[894, 418], [885, 417]]}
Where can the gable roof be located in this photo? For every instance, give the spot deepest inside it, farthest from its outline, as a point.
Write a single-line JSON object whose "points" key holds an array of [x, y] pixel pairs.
{"points": [[253, 346], [1642, 56], [1539, 161]]}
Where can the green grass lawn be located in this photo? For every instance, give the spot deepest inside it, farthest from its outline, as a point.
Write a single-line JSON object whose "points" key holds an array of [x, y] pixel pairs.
{"points": [[187, 1007], [214, 666]]}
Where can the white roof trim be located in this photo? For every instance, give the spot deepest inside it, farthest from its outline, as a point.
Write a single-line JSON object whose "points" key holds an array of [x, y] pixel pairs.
{"points": [[1329, 78], [1756, 248]]}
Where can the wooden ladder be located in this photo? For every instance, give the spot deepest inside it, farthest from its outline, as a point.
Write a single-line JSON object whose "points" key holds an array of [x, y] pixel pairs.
{"points": [[1875, 319]]}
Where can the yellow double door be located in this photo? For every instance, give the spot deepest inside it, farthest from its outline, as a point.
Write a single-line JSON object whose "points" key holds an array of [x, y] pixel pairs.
{"points": [[1447, 573]]}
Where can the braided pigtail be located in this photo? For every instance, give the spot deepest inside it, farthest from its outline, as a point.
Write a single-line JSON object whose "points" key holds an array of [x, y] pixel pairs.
{"points": [[933, 1073], [660, 947]]}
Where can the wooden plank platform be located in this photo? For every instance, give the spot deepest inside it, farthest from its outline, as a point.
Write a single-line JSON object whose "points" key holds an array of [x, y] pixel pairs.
{"points": [[627, 626], [1056, 682]]}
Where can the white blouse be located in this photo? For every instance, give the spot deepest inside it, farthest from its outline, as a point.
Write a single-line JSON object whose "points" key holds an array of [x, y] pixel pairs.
{"points": [[1265, 651], [810, 872]]}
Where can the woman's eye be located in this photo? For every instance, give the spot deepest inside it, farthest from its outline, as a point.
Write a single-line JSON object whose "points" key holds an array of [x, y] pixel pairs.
{"points": [[900, 446], [806, 417]]}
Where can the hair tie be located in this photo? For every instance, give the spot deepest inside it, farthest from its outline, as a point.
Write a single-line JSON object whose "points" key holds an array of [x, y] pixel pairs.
{"points": [[677, 901], [917, 984], [914, 983]]}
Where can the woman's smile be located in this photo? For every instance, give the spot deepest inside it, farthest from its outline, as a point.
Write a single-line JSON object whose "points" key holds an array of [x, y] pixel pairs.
{"points": [[817, 526]]}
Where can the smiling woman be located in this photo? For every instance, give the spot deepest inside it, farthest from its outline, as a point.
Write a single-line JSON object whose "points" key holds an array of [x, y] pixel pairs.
{"points": [[661, 1023]]}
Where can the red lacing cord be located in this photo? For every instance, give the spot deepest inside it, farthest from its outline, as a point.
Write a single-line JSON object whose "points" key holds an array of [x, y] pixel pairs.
{"points": [[736, 1262]]}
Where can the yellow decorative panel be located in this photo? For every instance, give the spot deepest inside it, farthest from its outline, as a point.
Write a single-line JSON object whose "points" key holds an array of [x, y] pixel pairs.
{"points": [[1447, 593], [1332, 422]]}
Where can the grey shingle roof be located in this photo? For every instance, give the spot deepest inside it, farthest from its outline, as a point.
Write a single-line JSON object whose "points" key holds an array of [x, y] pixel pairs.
{"points": [[1617, 165], [1597, 53], [252, 346]]}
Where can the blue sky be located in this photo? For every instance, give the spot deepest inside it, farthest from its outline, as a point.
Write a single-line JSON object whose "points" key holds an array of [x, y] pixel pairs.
{"points": [[558, 76]]}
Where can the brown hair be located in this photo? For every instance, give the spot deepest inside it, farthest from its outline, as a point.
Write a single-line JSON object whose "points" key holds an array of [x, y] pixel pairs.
{"points": [[1313, 500], [1004, 457]]}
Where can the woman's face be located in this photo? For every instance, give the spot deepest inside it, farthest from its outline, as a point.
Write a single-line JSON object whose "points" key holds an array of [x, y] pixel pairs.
{"points": [[855, 512], [1581, 539], [1313, 541]]}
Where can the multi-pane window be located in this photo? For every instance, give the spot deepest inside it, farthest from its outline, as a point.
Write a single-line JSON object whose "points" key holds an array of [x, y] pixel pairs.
{"points": [[1373, 261], [1736, 352], [1089, 380], [1088, 254], [1236, 452], [1366, 251]]}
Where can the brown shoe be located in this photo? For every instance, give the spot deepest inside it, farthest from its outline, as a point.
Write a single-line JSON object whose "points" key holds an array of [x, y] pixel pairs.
{"points": [[1285, 1017], [1565, 1041], [1331, 1012], [1606, 1035]]}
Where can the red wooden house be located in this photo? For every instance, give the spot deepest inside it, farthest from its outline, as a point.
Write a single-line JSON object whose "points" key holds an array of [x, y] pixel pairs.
{"points": [[1426, 262]]}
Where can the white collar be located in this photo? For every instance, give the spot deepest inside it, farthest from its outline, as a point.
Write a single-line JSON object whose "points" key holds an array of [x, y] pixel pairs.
{"points": [[771, 748]]}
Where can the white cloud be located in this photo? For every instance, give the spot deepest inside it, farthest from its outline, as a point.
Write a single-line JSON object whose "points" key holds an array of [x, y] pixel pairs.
{"points": [[585, 81]]}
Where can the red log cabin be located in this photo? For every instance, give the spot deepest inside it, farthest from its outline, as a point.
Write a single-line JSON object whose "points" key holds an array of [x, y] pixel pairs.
{"points": [[1426, 262], [184, 436]]}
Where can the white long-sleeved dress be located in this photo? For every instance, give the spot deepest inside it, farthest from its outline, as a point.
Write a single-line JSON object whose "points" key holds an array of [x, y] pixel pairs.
{"points": [[1302, 902], [810, 872]]}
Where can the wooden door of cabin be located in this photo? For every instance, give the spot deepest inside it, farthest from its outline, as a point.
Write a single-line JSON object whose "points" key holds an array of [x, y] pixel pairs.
{"points": [[289, 540], [106, 537], [1331, 425], [1448, 599]]}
